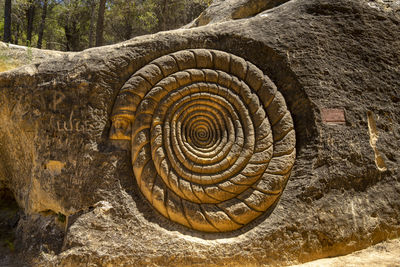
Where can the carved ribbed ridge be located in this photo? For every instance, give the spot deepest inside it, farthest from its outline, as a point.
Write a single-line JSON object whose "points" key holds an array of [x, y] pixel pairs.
{"points": [[213, 143]]}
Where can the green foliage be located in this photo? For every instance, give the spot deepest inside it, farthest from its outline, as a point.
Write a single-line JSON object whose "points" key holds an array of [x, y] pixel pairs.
{"points": [[54, 34], [10, 245], [69, 23], [29, 53], [61, 217], [147, 16], [2, 26], [126, 19]]}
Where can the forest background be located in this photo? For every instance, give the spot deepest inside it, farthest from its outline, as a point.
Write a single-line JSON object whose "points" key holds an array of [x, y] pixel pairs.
{"points": [[74, 25]]}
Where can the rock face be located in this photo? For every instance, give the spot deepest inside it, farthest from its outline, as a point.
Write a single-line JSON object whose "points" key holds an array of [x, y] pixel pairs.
{"points": [[176, 148], [13, 56], [224, 10], [382, 254]]}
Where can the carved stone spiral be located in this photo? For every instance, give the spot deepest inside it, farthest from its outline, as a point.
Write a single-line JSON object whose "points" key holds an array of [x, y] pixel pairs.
{"points": [[213, 143]]}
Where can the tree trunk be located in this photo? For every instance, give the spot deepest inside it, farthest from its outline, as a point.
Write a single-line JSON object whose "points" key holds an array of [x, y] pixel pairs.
{"points": [[72, 36], [16, 35], [100, 23], [42, 24], [7, 21], [91, 26], [164, 15], [30, 14]]}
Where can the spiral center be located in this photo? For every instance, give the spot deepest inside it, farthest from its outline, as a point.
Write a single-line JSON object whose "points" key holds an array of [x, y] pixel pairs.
{"points": [[201, 130]]}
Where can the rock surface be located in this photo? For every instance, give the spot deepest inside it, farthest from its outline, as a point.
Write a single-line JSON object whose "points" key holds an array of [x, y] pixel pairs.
{"points": [[336, 65], [224, 10], [385, 254], [12, 56]]}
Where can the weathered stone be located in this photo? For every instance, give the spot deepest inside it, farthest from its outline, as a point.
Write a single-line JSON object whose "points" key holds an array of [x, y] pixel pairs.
{"points": [[341, 196], [224, 10]]}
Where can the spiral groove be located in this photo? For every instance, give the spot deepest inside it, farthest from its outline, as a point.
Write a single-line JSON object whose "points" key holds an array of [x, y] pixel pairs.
{"points": [[213, 143]]}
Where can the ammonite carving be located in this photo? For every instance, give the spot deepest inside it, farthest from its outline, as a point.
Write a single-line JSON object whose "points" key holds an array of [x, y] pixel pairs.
{"points": [[213, 143]]}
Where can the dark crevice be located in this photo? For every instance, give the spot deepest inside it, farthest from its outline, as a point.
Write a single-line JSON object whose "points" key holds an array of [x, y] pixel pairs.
{"points": [[9, 217]]}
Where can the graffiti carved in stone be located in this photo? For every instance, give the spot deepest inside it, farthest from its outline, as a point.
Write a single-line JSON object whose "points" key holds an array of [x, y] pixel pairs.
{"points": [[212, 141]]}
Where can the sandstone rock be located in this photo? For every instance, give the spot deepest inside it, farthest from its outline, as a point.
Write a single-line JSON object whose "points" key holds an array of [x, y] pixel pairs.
{"points": [[17, 55], [301, 59], [224, 10], [383, 254]]}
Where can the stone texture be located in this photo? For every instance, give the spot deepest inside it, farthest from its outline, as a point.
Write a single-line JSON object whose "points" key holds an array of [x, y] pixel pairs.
{"points": [[66, 174], [224, 10], [385, 254], [16, 55]]}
